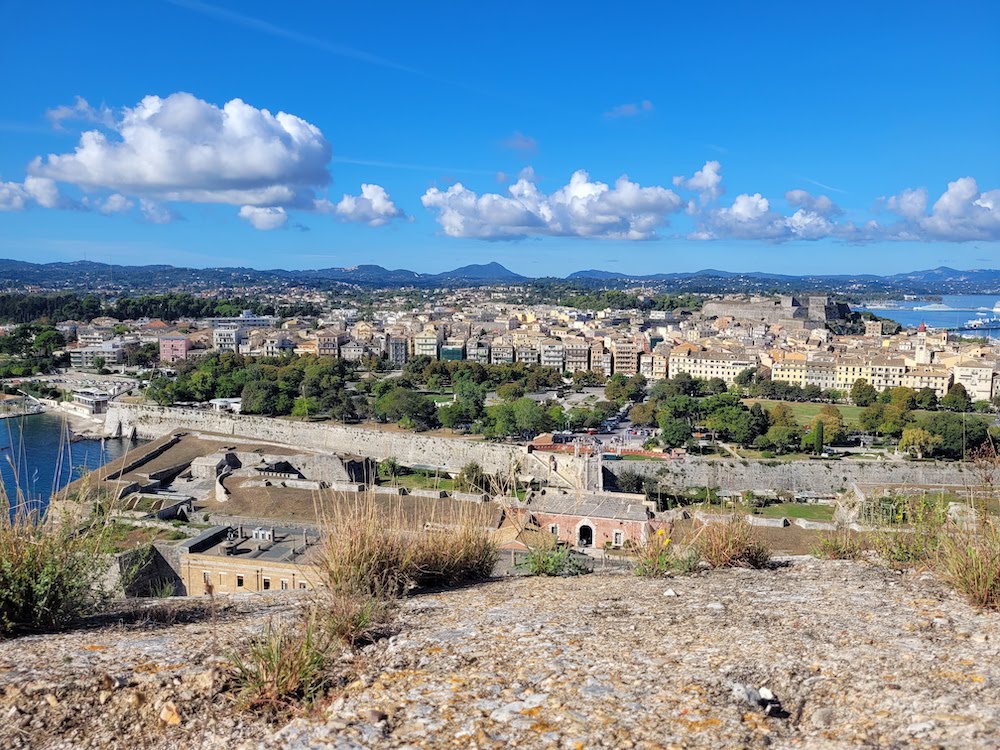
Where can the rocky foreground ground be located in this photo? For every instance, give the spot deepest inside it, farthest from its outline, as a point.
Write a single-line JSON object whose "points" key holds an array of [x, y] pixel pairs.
{"points": [[855, 655]]}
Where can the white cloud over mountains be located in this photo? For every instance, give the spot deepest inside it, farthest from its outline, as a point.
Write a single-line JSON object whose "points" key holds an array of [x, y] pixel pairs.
{"points": [[592, 209], [181, 148], [264, 218], [581, 208], [142, 160], [373, 207], [41, 191]]}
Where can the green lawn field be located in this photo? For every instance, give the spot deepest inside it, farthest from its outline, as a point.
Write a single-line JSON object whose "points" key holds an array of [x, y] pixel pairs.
{"points": [[805, 411]]}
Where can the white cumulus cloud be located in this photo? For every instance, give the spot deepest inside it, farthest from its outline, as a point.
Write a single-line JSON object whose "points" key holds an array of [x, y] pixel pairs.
{"points": [[181, 148], [373, 207], [581, 208], [751, 217], [13, 196], [264, 217], [817, 204], [156, 213], [17, 196], [707, 182], [962, 213]]}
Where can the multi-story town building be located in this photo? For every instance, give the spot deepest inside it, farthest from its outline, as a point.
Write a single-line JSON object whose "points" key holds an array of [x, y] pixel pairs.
{"points": [[977, 378], [625, 356], [174, 349], [526, 354], [328, 342], [92, 334], [228, 338], [577, 354], [353, 351], [236, 559], [501, 352], [246, 319], [938, 380], [552, 353], [453, 350], [601, 359], [710, 364], [261, 343], [398, 350], [820, 373], [93, 356], [426, 343], [478, 350], [654, 365]]}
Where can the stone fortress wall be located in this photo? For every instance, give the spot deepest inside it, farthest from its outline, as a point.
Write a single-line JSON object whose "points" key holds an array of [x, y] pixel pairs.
{"points": [[451, 454], [809, 476]]}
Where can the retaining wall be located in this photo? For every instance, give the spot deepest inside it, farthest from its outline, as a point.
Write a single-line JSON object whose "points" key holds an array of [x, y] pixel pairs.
{"points": [[813, 476], [449, 454]]}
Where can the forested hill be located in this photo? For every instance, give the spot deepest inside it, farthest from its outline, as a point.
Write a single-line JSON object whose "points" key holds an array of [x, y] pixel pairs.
{"points": [[91, 276]]}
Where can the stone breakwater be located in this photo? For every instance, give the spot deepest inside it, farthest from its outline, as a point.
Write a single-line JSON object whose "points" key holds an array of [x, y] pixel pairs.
{"points": [[856, 655]]}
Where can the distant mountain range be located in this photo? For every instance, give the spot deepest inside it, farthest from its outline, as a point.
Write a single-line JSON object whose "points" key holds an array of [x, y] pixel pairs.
{"points": [[88, 275]]}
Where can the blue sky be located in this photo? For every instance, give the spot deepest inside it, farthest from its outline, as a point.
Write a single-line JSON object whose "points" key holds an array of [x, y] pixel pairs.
{"points": [[779, 136]]}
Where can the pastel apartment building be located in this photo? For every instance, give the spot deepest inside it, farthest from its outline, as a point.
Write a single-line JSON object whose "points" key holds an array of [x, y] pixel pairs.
{"points": [[174, 349]]}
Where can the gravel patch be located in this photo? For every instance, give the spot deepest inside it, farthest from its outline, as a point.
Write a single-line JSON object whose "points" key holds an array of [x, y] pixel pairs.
{"points": [[811, 654]]}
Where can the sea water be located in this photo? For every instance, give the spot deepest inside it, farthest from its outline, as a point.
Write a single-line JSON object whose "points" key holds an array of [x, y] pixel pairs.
{"points": [[37, 458]]}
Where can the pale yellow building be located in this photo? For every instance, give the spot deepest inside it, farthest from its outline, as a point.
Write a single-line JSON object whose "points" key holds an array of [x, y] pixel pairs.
{"points": [[238, 559]]}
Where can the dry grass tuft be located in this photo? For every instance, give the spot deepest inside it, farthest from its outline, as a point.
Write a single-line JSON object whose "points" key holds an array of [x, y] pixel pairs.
{"points": [[378, 549], [970, 562], [285, 668], [732, 544], [838, 545]]}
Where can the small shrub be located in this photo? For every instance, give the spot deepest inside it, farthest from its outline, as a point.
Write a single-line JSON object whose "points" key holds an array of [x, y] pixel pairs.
{"points": [[838, 546], [286, 667], [50, 574], [970, 562], [732, 544], [914, 532], [551, 561], [687, 562], [657, 558]]}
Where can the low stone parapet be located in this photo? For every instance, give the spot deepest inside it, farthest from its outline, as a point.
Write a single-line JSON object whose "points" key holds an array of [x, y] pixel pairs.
{"points": [[436, 494], [382, 489], [773, 523], [804, 523], [349, 487], [473, 497]]}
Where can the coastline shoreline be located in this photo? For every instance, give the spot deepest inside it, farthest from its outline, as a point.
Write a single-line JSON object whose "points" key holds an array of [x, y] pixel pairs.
{"points": [[81, 427]]}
